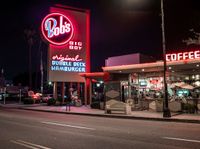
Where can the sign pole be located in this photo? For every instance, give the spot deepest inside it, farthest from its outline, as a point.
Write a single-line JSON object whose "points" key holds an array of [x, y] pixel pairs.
{"points": [[20, 95], [4, 97]]}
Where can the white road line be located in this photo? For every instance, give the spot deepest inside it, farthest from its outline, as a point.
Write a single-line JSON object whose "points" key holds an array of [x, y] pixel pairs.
{"points": [[22, 144], [180, 139], [65, 125], [29, 145]]}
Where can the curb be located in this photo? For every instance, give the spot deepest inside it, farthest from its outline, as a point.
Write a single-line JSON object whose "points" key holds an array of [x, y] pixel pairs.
{"points": [[118, 116], [17, 107]]}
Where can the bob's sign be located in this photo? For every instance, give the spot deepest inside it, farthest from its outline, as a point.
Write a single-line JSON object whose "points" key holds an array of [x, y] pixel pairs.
{"points": [[183, 56], [57, 29], [67, 31]]}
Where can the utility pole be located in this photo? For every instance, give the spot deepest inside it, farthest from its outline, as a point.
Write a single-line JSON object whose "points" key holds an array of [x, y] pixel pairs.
{"points": [[166, 110]]}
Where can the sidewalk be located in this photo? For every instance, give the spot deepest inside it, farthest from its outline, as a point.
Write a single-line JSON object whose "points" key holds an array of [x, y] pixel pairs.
{"points": [[86, 110]]}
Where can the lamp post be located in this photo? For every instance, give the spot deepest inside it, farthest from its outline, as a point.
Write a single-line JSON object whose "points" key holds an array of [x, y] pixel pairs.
{"points": [[166, 111]]}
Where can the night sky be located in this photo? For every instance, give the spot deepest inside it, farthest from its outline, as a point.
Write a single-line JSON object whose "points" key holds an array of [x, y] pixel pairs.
{"points": [[117, 27]]}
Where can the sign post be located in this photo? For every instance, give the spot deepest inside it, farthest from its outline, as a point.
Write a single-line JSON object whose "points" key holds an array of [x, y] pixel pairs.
{"points": [[20, 95], [4, 96]]}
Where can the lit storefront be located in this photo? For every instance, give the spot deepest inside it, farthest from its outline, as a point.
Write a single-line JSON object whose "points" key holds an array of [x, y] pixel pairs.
{"points": [[141, 84]]}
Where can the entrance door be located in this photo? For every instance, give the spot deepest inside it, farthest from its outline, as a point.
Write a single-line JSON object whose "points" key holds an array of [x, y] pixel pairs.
{"points": [[124, 91]]}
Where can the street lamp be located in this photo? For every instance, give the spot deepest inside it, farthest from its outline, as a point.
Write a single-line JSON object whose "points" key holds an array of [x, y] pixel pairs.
{"points": [[166, 111]]}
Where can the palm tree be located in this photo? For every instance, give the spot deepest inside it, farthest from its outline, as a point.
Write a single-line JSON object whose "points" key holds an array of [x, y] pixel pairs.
{"points": [[29, 36], [193, 40]]}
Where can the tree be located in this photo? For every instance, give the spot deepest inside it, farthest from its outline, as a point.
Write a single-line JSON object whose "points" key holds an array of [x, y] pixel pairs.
{"points": [[29, 36], [193, 40]]}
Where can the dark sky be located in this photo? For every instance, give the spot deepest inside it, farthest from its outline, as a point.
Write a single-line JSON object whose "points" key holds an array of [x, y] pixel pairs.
{"points": [[117, 27]]}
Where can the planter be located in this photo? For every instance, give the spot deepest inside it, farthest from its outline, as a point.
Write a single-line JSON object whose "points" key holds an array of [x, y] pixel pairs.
{"points": [[175, 106]]}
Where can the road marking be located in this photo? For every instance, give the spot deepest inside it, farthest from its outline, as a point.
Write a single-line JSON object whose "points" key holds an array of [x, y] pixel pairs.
{"points": [[29, 145], [180, 139], [65, 125], [22, 144]]}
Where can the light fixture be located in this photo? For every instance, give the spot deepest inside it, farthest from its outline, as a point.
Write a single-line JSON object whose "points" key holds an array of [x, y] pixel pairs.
{"points": [[101, 82], [197, 65], [142, 69], [170, 68], [98, 85]]}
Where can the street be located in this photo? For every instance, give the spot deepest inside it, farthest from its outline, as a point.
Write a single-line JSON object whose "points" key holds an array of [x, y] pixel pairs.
{"points": [[21, 129]]}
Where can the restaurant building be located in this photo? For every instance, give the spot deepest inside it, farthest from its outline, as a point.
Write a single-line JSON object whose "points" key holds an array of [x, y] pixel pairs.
{"points": [[138, 79]]}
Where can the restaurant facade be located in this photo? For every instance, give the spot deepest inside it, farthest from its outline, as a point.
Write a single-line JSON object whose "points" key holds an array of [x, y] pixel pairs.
{"points": [[137, 79]]}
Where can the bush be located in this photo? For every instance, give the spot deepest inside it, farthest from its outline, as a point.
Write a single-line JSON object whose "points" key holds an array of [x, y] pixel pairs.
{"points": [[51, 101], [28, 101], [59, 99]]}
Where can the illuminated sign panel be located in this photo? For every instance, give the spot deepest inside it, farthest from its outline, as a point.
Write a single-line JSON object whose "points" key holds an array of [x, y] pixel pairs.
{"points": [[67, 31], [183, 56], [57, 28]]}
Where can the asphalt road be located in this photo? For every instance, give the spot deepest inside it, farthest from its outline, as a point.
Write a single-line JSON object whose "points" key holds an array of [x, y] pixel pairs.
{"points": [[20, 129]]}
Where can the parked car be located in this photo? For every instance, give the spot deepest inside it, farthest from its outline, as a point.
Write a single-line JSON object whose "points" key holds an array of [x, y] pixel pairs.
{"points": [[46, 97]]}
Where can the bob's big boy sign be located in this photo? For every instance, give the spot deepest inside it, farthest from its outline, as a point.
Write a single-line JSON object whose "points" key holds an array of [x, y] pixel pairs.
{"points": [[57, 28], [66, 30]]}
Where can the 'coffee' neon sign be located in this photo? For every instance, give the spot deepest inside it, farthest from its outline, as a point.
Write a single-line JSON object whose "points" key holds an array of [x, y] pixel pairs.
{"points": [[183, 56], [57, 29]]}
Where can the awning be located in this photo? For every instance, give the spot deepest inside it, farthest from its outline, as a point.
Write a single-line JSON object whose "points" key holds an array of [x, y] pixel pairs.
{"points": [[151, 67]]}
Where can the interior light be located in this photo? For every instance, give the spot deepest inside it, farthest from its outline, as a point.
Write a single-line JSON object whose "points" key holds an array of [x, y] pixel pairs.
{"points": [[98, 85], [101, 82]]}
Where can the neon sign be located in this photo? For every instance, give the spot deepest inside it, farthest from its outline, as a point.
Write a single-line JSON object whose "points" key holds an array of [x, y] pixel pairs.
{"points": [[183, 56], [57, 29], [68, 64], [67, 58], [74, 45]]}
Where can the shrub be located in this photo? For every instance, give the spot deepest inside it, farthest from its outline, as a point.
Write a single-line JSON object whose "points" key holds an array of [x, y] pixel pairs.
{"points": [[51, 101], [59, 99], [28, 101]]}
